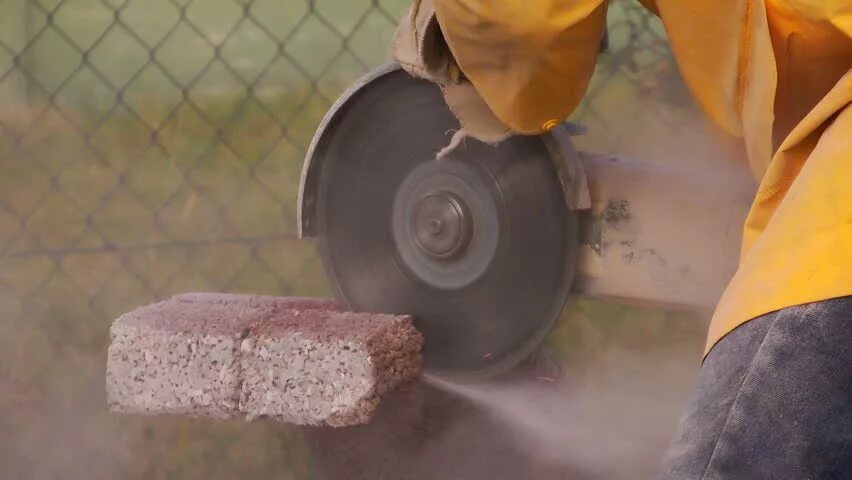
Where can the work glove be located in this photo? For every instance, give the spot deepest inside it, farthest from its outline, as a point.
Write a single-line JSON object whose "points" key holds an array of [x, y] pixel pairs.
{"points": [[419, 47]]}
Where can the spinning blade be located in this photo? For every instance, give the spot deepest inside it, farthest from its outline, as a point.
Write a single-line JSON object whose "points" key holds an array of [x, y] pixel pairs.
{"points": [[479, 246]]}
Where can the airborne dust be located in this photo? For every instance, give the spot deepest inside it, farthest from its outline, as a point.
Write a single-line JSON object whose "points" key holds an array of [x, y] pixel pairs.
{"points": [[609, 417], [612, 427]]}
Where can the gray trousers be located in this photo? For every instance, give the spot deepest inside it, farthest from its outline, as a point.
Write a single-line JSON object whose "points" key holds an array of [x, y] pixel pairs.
{"points": [[773, 401]]}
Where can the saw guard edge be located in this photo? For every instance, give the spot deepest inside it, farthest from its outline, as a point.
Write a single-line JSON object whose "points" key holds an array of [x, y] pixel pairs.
{"points": [[565, 158]]}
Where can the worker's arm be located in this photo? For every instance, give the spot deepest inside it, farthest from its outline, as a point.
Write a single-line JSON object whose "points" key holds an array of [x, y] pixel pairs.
{"points": [[531, 61]]}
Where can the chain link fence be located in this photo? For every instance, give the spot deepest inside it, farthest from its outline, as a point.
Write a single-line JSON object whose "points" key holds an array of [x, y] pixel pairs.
{"points": [[154, 147]]}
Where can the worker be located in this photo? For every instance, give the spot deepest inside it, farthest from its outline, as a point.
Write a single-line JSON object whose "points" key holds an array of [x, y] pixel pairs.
{"points": [[773, 397]]}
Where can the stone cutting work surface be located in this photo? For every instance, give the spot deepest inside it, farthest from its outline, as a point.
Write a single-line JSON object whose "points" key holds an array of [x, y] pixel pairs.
{"points": [[298, 360]]}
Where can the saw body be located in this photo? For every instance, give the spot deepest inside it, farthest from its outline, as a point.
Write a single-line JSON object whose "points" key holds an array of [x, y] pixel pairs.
{"points": [[484, 246]]}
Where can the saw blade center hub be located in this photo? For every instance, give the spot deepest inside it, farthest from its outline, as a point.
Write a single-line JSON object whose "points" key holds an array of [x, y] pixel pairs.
{"points": [[442, 225]]}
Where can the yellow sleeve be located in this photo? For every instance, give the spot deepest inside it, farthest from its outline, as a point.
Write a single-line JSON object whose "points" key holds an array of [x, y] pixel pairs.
{"points": [[837, 13], [530, 60]]}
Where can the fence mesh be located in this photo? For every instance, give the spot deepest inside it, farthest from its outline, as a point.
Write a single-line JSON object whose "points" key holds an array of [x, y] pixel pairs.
{"points": [[153, 147]]}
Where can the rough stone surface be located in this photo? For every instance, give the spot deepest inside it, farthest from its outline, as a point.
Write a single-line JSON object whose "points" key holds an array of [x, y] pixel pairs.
{"points": [[298, 360], [326, 367]]}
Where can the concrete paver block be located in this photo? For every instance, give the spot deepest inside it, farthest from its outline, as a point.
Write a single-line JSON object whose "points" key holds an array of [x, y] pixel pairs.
{"points": [[298, 360]]}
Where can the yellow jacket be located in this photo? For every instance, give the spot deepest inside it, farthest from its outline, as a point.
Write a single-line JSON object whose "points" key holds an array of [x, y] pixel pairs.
{"points": [[774, 72]]}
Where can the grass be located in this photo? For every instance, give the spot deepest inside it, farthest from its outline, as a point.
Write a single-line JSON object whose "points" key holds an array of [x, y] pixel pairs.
{"points": [[96, 219]]}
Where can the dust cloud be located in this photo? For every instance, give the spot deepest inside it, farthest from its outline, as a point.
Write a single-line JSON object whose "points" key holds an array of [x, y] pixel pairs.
{"points": [[605, 430], [611, 421]]}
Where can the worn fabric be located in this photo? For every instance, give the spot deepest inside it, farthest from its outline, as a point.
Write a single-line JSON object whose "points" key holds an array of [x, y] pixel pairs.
{"points": [[796, 244], [419, 48], [773, 400], [530, 63], [774, 73]]}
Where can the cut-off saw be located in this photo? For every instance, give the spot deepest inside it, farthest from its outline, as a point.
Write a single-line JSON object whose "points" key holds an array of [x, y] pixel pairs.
{"points": [[484, 245]]}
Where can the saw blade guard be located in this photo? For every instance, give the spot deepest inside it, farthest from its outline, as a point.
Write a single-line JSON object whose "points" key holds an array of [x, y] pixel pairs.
{"points": [[479, 246]]}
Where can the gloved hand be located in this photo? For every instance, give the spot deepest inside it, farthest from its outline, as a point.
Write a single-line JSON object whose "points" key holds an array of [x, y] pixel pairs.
{"points": [[419, 47]]}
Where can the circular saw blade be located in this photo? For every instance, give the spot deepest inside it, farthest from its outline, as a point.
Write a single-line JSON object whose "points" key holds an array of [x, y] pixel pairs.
{"points": [[478, 247]]}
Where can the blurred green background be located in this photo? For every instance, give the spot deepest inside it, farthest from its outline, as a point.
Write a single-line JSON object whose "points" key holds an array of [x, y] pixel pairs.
{"points": [[154, 147]]}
